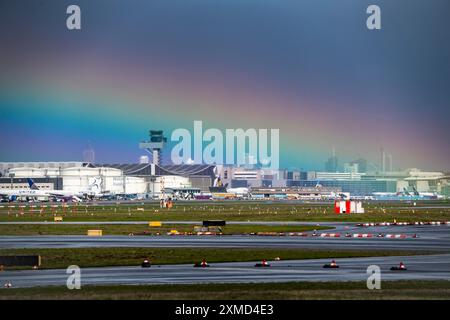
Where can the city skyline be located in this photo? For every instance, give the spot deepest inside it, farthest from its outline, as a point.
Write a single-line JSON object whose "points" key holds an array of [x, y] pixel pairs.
{"points": [[314, 72]]}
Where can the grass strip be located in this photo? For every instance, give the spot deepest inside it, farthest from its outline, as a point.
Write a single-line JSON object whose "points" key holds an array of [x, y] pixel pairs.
{"points": [[390, 290], [103, 257]]}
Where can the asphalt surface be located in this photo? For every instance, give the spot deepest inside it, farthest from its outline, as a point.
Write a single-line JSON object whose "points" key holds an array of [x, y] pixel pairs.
{"points": [[430, 238], [340, 226], [14, 242], [433, 267]]}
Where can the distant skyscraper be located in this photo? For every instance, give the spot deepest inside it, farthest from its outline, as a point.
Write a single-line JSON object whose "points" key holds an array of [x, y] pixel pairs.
{"points": [[89, 154], [390, 162], [332, 163], [383, 160]]}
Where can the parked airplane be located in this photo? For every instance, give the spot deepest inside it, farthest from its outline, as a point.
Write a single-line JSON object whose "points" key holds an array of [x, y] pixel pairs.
{"points": [[239, 191], [14, 194], [427, 195], [406, 195], [94, 191], [58, 194]]}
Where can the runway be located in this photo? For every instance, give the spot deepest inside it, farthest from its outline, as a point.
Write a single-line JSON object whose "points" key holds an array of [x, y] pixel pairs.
{"points": [[339, 226], [434, 267], [430, 238], [14, 242]]}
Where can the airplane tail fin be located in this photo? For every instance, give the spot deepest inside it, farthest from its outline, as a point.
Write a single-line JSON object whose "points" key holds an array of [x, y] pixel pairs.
{"points": [[32, 185]]}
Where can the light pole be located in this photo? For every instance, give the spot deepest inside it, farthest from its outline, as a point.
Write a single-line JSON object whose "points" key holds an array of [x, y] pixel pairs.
{"points": [[152, 180], [12, 175]]}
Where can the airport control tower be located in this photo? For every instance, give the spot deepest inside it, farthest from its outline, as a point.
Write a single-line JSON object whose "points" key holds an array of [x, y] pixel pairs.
{"points": [[155, 145]]}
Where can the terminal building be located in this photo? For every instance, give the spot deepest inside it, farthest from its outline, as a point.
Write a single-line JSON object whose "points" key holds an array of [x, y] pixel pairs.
{"points": [[354, 187], [141, 178], [316, 192], [114, 178], [353, 182]]}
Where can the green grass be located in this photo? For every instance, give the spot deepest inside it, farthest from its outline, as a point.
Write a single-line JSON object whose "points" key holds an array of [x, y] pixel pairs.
{"points": [[230, 211], [390, 290], [102, 257], [121, 229]]}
